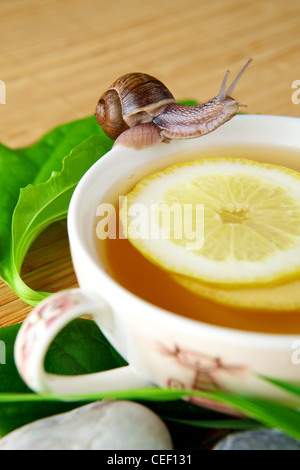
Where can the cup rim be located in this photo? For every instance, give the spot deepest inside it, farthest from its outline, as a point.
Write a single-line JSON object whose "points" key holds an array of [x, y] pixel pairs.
{"points": [[257, 339]]}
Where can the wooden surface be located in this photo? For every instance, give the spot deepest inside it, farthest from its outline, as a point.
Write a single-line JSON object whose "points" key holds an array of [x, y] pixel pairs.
{"points": [[58, 56]]}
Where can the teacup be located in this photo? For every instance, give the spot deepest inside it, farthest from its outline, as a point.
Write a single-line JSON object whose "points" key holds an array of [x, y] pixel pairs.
{"points": [[162, 348]]}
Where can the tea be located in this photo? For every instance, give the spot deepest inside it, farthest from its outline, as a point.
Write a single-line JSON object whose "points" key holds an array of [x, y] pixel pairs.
{"points": [[148, 281]]}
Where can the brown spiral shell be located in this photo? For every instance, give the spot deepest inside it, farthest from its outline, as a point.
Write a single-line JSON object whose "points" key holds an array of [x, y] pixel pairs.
{"points": [[134, 98]]}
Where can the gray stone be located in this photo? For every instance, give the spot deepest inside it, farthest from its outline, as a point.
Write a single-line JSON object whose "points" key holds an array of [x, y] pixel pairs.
{"points": [[264, 439], [105, 425]]}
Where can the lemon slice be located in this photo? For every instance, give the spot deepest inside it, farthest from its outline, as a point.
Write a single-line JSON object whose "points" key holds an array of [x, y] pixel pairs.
{"points": [[273, 298], [225, 221]]}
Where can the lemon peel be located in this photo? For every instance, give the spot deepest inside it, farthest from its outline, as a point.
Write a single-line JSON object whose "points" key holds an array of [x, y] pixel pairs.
{"points": [[273, 298]]}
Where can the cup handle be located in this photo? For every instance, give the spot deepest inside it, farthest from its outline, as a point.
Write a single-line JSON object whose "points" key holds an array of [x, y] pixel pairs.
{"points": [[40, 328]]}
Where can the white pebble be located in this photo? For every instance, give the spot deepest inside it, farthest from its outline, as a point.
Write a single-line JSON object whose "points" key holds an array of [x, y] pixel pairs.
{"points": [[105, 425]]}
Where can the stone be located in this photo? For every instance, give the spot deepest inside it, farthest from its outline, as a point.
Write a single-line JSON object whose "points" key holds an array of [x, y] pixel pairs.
{"points": [[103, 425], [262, 439]]}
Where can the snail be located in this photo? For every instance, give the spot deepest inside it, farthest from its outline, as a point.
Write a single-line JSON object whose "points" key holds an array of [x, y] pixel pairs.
{"points": [[138, 111]]}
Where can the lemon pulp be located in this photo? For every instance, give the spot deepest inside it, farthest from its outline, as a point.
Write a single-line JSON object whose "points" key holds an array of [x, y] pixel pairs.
{"points": [[248, 232]]}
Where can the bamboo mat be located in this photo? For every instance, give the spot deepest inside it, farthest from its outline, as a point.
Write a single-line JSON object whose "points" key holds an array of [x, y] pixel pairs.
{"points": [[58, 56]]}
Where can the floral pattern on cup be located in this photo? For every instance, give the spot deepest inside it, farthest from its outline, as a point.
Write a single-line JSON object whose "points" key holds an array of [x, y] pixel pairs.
{"points": [[38, 322], [205, 369]]}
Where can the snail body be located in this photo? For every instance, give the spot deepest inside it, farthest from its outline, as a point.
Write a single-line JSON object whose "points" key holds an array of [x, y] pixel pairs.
{"points": [[138, 111]]}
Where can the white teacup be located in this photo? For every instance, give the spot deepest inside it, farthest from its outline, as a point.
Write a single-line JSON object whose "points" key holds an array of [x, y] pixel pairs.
{"points": [[161, 348]]}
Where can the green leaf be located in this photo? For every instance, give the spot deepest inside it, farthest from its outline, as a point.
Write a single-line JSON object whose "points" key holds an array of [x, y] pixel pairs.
{"points": [[16, 171], [81, 348], [189, 102], [287, 386], [45, 203], [217, 424], [38, 183], [48, 153]]}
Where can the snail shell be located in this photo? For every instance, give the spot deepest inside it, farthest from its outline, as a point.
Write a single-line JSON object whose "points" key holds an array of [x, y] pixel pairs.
{"points": [[133, 99]]}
